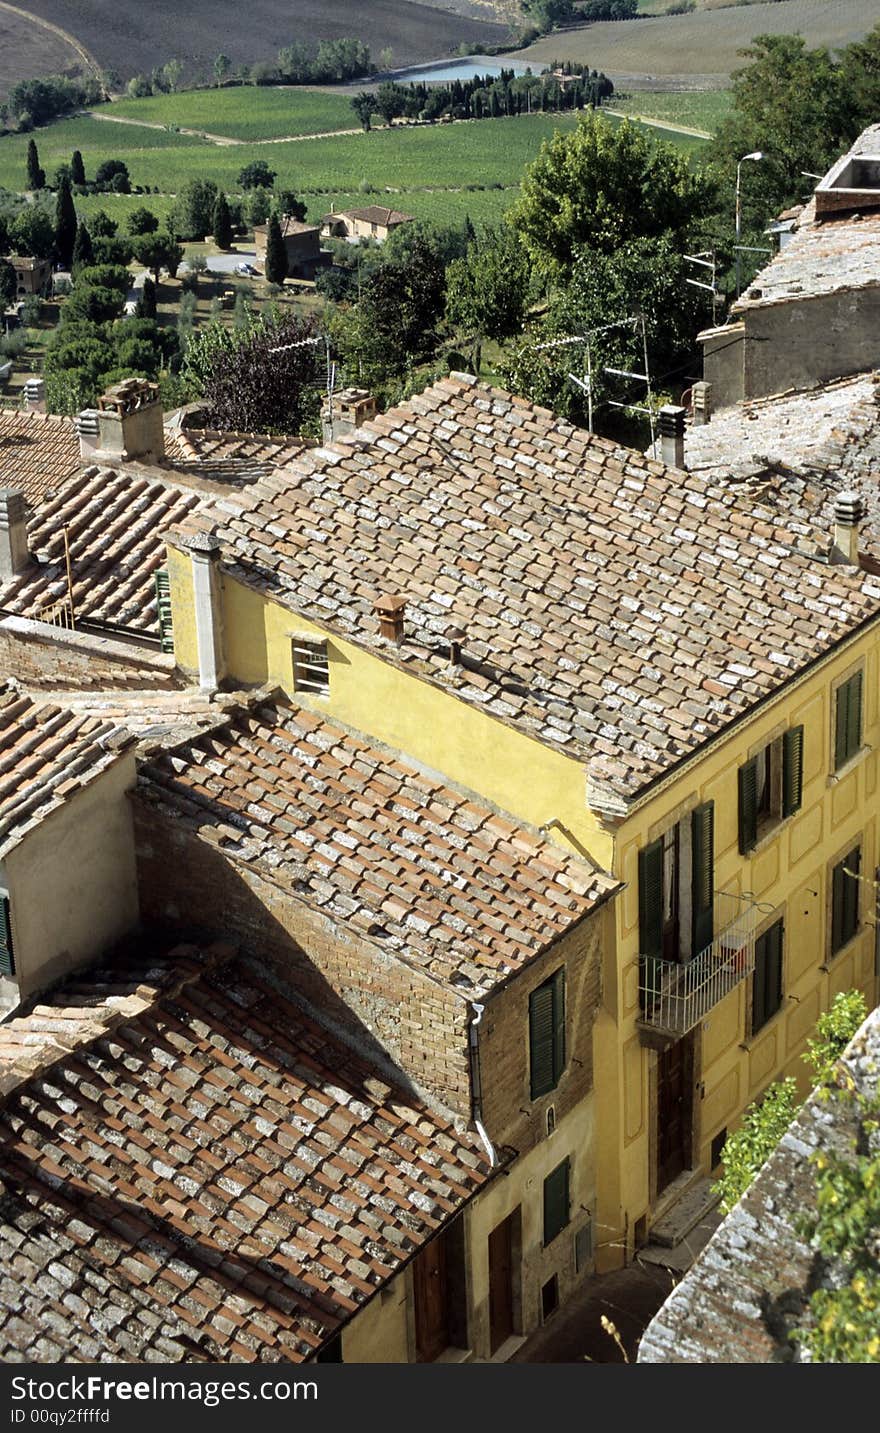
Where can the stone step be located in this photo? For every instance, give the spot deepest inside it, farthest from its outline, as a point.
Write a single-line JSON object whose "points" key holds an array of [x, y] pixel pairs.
{"points": [[685, 1214]]}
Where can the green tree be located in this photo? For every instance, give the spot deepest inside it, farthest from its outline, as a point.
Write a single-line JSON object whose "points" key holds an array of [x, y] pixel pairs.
{"points": [[598, 186], [246, 384], [139, 87], [157, 252], [77, 169], [221, 223], [65, 224], [147, 301], [221, 67], [172, 71], [487, 290], [394, 326], [256, 175], [544, 14], [112, 175], [832, 1033], [33, 232], [83, 252], [102, 226], [36, 177], [257, 205], [192, 214], [362, 105], [276, 253], [7, 284], [287, 202]]}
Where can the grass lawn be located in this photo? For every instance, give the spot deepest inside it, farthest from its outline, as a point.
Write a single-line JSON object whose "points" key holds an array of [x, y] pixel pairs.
{"points": [[696, 109], [244, 112]]}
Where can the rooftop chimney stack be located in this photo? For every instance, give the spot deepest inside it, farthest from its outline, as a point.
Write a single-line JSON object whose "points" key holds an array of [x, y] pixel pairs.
{"points": [[849, 509], [345, 411], [14, 555], [130, 422], [701, 395], [672, 435], [204, 551], [391, 612], [88, 428], [35, 395]]}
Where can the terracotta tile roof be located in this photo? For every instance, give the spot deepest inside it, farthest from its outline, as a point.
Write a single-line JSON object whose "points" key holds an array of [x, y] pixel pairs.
{"points": [[47, 754], [153, 715], [38, 453], [214, 1176], [367, 838], [237, 458], [750, 1286], [615, 609], [116, 523], [372, 214], [793, 453]]}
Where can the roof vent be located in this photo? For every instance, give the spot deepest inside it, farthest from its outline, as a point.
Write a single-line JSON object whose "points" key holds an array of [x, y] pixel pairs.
{"points": [[35, 395], [391, 611], [849, 509], [86, 424], [671, 422]]}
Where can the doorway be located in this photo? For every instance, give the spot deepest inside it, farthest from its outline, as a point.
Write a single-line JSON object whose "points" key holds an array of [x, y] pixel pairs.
{"points": [[431, 1300], [502, 1243], [675, 1111]]}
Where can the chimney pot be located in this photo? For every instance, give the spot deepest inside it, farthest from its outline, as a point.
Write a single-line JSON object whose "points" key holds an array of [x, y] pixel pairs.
{"points": [[849, 509], [35, 395], [86, 424], [701, 395], [455, 636], [671, 423], [343, 412], [391, 611], [130, 421], [14, 554]]}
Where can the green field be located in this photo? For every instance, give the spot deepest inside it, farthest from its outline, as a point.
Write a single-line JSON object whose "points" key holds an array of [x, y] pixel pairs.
{"points": [[244, 112], [696, 109]]}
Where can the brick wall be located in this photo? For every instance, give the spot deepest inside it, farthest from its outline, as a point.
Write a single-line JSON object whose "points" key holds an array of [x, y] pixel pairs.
{"points": [[393, 1014], [41, 658], [504, 1041]]}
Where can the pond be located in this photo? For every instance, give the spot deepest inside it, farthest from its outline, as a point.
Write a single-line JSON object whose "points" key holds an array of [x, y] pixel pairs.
{"points": [[463, 69]]}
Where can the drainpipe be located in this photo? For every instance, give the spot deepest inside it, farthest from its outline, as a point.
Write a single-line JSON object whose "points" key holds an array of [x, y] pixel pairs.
{"points": [[476, 1086]]}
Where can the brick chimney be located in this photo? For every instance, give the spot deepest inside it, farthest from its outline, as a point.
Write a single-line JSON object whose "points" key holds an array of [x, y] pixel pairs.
{"points": [[130, 422], [701, 396], [345, 411], [391, 612], [35, 395], [849, 509], [672, 435], [88, 428], [204, 551], [14, 554]]}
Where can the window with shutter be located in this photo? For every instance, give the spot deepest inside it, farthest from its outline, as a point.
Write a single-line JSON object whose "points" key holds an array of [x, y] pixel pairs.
{"points": [[703, 875], [163, 609], [848, 720], [748, 806], [556, 1202], [767, 979], [547, 1034], [792, 770], [311, 666], [650, 920], [845, 899], [7, 956]]}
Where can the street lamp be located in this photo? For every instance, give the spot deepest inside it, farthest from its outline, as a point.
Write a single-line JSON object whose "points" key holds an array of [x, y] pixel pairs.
{"points": [[756, 154]]}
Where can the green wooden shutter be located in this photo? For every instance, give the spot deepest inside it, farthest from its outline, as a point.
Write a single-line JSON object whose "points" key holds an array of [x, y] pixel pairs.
{"points": [[792, 770], [759, 984], [556, 1202], [773, 985], [163, 605], [7, 958], [748, 805], [840, 725], [547, 1034], [851, 894], [651, 898], [703, 875], [854, 715]]}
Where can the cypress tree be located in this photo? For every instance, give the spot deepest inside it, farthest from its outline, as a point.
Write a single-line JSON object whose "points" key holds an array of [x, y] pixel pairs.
{"points": [[221, 222], [36, 177], [65, 224], [77, 168], [83, 253], [147, 305], [276, 253]]}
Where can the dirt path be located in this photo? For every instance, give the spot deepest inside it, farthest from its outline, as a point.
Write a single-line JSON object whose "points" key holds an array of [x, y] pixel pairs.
{"points": [[222, 139], [660, 123], [88, 60]]}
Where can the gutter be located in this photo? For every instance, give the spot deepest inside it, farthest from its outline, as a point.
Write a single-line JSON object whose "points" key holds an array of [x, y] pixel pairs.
{"points": [[476, 1085]]}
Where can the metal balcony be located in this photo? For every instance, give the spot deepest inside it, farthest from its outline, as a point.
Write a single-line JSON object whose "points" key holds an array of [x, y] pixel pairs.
{"points": [[674, 996]]}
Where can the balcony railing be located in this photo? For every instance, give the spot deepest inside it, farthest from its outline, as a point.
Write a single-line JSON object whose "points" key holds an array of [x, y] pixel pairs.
{"points": [[674, 996]]}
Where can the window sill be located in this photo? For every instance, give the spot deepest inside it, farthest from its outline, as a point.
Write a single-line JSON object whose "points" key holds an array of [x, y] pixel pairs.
{"points": [[849, 765], [752, 1040], [831, 960]]}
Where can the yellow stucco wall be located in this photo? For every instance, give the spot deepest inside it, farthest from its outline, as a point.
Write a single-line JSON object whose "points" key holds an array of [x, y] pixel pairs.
{"points": [[378, 1334]]}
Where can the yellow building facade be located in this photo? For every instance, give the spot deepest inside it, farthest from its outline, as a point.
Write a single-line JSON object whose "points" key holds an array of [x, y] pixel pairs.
{"points": [[721, 1062]]}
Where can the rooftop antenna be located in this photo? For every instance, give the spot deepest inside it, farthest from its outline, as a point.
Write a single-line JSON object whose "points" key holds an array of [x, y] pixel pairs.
{"points": [[706, 260]]}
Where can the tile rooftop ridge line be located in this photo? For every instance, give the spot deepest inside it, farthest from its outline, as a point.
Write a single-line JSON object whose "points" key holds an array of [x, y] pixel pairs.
{"points": [[65, 1020]]}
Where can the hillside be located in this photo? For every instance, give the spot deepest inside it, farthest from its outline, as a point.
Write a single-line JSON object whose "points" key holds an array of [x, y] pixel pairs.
{"points": [[130, 37]]}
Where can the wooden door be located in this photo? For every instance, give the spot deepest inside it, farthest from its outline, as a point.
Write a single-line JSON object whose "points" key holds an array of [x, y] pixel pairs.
{"points": [[674, 1111], [431, 1299], [501, 1284]]}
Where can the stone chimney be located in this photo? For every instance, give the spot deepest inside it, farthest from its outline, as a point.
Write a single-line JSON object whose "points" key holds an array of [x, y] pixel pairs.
{"points": [[391, 612], [701, 395], [14, 554], [204, 551], [345, 411], [130, 422], [87, 426], [672, 435], [35, 395], [849, 509]]}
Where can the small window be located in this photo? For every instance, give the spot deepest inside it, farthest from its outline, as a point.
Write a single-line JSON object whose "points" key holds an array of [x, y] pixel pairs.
{"points": [[583, 1247], [556, 1202], [547, 1034], [848, 720], [767, 979], [7, 957], [716, 1148], [770, 787], [549, 1297], [311, 666], [845, 899]]}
